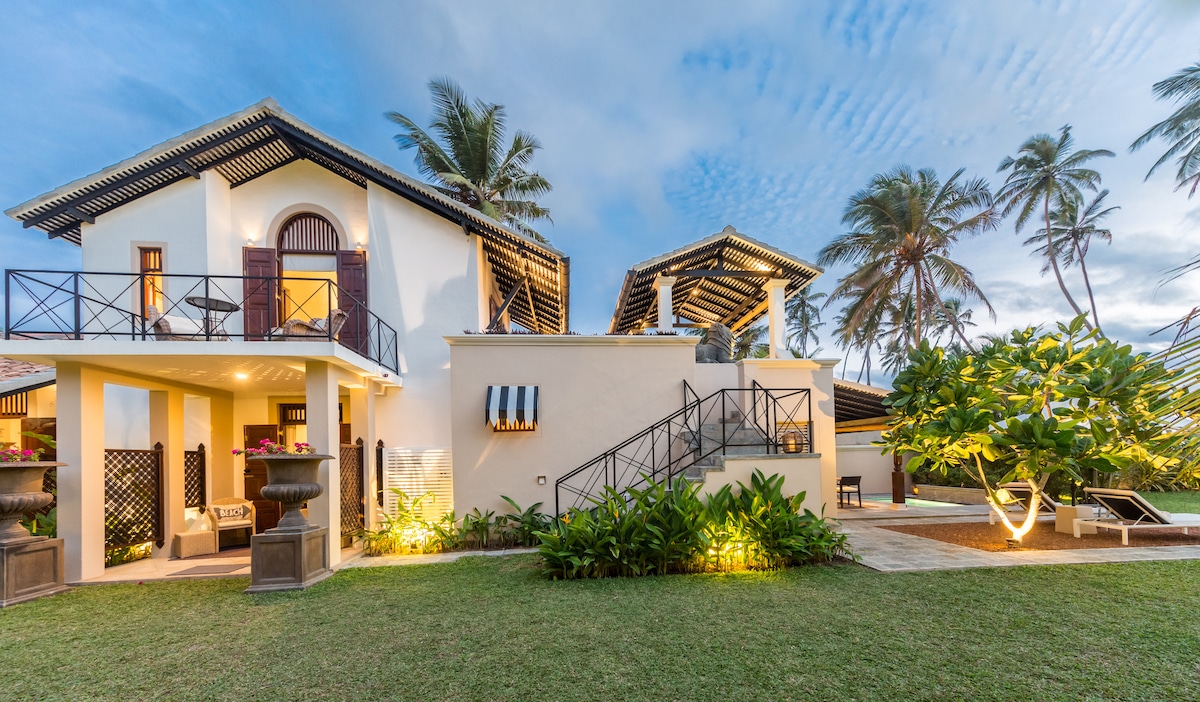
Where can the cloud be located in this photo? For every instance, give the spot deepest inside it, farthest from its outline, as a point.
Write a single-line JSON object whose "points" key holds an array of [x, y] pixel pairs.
{"points": [[661, 122]]}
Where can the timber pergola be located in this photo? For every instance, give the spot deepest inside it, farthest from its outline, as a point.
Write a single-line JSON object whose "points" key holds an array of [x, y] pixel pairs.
{"points": [[858, 407], [262, 138], [720, 278]]}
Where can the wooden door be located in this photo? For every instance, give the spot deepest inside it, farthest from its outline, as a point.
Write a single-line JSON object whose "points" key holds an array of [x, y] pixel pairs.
{"points": [[352, 299], [266, 512], [260, 292]]}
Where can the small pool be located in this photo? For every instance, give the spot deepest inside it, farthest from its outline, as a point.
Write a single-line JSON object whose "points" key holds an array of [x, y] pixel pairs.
{"points": [[912, 501]]}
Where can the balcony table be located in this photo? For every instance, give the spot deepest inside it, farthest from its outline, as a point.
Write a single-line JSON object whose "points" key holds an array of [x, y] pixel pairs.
{"points": [[214, 326]]}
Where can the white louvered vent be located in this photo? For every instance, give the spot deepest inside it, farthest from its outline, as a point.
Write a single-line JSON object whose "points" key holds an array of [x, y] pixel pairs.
{"points": [[416, 471]]}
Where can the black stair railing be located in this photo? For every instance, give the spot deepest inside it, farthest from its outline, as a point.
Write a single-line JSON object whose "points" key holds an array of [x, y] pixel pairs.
{"points": [[738, 420]]}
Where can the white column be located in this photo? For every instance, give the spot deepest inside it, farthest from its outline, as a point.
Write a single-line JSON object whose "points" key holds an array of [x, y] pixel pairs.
{"points": [[166, 428], [81, 481], [666, 317], [362, 425], [777, 317], [321, 417]]}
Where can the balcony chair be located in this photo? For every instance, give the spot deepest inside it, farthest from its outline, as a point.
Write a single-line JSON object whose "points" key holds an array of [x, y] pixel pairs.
{"points": [[849, 485], [173, 328], [327, 328]]}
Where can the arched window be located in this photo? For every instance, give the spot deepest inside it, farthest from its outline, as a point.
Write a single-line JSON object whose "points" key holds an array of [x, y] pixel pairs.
{"points": [[307, 233]]}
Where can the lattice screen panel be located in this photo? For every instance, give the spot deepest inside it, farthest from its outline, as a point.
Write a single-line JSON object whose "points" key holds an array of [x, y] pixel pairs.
{"points": [[352, 492], [416, 471], [132, 497], [194, 492]]}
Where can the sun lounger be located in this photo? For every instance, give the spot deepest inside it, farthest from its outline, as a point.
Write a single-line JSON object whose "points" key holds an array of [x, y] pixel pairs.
{"points": [[1024, 494], [1129, 511]]}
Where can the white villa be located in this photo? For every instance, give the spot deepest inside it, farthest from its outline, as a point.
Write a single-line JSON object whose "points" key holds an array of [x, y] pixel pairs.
{"points": [[256, 279]]}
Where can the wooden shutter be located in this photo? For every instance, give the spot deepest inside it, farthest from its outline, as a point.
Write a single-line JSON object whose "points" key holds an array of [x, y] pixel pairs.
{"points": [[415, 472], [259, 304], [352, 299]]}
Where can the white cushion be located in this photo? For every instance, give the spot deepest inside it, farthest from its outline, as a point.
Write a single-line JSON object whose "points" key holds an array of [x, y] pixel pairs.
{"points": [[182, 325]]}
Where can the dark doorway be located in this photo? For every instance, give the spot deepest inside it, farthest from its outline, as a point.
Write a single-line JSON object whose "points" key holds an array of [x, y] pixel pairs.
{"points": [[267, 512]]}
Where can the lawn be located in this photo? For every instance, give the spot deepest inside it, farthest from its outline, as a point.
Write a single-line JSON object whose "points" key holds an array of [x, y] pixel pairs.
{"points": [[492, 628], [1183, 501]]}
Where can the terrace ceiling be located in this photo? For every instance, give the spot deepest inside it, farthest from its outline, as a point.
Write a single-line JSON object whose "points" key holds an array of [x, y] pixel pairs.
{"points": [[262, 138], [721, 278]]}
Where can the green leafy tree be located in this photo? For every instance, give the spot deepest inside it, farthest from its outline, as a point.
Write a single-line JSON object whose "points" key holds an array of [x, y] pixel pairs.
{"points": [[1034, 404], [1048, 169], [467, 159], [803, 320], [903, 226], [1074, 224]]}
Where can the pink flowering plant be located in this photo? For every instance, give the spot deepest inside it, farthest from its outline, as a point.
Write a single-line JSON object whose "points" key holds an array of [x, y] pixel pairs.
{"points": [[266, 447], [16, 455]]}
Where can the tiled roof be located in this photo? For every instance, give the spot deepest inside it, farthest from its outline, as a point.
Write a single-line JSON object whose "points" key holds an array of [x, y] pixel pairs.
{"points": [[12, 369]]}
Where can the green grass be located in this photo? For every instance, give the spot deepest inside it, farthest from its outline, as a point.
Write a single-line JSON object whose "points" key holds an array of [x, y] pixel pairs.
{"points": [[492, 628], [1185, 501]]}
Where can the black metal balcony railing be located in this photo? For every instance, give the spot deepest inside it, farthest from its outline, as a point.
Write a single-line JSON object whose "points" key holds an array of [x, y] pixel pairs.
{"points": [[172, 307]]}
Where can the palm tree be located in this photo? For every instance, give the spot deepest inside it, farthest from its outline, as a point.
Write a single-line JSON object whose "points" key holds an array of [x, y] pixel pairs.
{"points": [[1182, 127], [803, 320], [467, 158], [1073, 226], [1047, 168], [953, 316], [903, 227], [750, 344]]}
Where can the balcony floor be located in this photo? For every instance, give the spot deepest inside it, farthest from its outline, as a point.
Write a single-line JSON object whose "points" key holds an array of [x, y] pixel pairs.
{"points": [[269, 366]]}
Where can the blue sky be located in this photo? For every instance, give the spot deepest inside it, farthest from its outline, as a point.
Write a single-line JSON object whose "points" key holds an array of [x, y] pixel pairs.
{"points": [[661, 122]]}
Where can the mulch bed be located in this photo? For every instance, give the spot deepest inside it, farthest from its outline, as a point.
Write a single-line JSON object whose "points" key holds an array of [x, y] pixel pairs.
{"points": [[1043, 537]]}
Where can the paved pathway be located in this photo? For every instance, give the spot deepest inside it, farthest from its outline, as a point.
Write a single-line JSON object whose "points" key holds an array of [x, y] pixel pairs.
{"points": [[894, 552]]}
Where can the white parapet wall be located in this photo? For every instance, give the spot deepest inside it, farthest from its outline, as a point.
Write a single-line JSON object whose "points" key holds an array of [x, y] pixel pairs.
{"points": [[856, 455], [801, 473]]}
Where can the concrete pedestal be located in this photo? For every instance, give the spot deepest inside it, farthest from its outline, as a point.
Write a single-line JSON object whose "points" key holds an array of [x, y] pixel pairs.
{"points": [[30, 568], [288, 559]]}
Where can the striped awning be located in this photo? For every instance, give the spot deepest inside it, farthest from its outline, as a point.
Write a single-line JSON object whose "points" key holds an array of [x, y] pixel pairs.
{"points": [[512, 407]]}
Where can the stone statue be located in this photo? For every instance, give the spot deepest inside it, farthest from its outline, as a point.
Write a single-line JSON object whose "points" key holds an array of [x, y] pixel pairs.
{"points": [[717, 346]]}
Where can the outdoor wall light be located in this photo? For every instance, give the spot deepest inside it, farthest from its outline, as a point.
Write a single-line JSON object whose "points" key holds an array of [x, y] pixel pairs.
{"points": [[541, 480], [358, 246], [249, 241]]}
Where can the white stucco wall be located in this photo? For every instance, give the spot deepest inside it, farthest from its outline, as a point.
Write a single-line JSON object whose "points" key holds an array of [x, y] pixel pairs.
{"points": [[817, 375], [424, 277], [259, 207], [126, 417], [593, 393]]}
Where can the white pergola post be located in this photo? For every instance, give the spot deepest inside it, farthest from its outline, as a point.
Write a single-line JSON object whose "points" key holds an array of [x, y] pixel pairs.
{"points": [[362, 425], [666, 315], [166, 427], [321, 417], [80, 416], [777, 316]]}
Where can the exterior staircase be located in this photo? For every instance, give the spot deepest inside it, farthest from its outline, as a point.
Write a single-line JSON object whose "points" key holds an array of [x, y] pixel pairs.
{"points": [[693, 441]]}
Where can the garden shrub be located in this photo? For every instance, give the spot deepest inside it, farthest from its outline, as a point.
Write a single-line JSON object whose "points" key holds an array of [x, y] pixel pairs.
{"points": [[665, 529], [407, 532]]}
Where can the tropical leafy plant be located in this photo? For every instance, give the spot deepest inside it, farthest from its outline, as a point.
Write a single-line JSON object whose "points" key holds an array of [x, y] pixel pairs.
{"points": [[520, 526], [1035, 404], [803, 313], [668, 528], [1181, 129], [477, 527], [466, 157], [402, 532]]}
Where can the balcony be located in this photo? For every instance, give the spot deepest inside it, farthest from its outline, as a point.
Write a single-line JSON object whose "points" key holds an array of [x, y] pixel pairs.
{"points": [[87, 306]]}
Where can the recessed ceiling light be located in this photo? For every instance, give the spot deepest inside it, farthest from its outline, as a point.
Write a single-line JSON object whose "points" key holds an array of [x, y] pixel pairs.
{"points": [[241, 376]]}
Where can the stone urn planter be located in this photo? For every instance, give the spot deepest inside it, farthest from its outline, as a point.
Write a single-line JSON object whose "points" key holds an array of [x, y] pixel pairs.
{"points": [[30, 566], [292, 555], [292, 481]]}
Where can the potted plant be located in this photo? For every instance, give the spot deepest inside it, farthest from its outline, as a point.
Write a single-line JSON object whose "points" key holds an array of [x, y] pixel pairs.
{"points": [[21, 476], [291, 478]]}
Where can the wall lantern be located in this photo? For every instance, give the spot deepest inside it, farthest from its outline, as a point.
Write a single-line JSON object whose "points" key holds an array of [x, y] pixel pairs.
{"points": [[790, 441]]}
